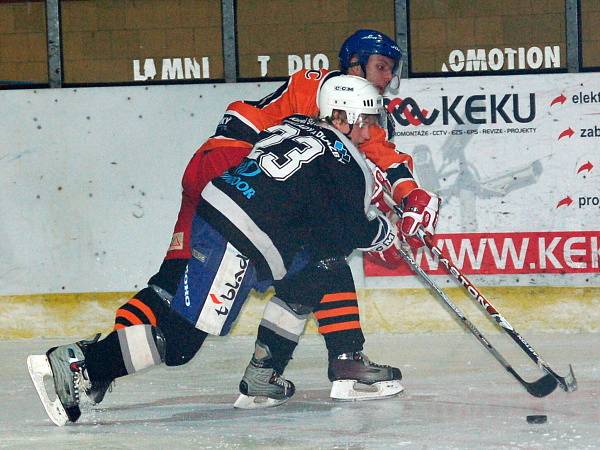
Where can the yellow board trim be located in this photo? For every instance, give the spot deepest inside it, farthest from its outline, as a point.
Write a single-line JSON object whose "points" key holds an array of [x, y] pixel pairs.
{"points": [[569, 309]]}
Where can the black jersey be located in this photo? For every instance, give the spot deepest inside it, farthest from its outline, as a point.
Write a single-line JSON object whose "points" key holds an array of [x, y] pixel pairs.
{"points": [[304, 185]]}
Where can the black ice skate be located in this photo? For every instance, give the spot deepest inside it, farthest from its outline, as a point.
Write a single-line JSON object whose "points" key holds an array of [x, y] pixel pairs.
{"points": [[262, 386], [355, 377]]}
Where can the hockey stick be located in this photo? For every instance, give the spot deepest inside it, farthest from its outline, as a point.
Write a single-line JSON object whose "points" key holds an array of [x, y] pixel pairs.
{"points": [[538, 388], [567, 383]]}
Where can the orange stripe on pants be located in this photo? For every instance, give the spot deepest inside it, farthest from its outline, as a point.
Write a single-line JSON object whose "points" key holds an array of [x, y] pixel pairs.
{"points": [[338, 297], [339, 327], [132, 318], [145, 309], [336, 312]]}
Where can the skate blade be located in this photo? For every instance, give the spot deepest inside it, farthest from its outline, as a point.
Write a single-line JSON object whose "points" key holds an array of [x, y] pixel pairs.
{"points": [[39, 368], [351, 390], [256, 402]]}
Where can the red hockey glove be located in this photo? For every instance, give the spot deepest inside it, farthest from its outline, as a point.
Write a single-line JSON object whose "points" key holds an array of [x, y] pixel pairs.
{"points": [[380, 185], [420, 209]]}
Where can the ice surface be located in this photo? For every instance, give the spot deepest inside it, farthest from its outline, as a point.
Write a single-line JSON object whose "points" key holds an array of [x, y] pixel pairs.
{"points": [[457, 396]]}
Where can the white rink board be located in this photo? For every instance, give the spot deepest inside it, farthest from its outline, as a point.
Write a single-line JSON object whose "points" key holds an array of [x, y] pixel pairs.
{"points": [[516, 162], [106, 164], [89, 178], [503, 175]]}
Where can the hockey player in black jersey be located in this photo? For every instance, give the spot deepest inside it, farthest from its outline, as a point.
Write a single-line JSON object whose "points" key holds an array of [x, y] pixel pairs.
{"points": [[258, 224], [326, 288]]}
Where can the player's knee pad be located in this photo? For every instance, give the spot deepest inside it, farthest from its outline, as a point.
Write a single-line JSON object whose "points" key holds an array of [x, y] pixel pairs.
{"points": [[142, 347], [284, 320], [308, 286], [182, 339], [179, 340]]}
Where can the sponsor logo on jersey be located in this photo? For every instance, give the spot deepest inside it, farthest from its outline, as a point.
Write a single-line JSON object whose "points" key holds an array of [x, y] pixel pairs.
{"points": [[302, 122], [225, 120], [224, 123], [176, 241], [248, 168], [340, 152]]}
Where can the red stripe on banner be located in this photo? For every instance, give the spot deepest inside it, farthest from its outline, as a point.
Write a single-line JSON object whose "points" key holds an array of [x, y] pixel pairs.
{"points": [[505, 253]]}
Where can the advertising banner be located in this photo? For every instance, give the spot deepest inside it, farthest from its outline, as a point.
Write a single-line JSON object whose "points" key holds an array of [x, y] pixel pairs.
{"points": [[90, 178], [516, 161]]}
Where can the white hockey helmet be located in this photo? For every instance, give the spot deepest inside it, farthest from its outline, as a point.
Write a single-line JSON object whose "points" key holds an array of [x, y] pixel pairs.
{"points": [[356, 96]]}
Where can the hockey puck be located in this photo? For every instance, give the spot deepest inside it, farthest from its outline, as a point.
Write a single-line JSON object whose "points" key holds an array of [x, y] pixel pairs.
{"points": [[537, 419]]}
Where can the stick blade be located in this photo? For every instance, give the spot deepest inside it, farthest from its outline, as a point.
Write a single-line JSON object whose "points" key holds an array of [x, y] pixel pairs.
{"points": [[542, 387], [569, 383]]}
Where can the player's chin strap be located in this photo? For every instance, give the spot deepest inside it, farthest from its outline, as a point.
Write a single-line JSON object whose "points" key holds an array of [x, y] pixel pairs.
{"points": [[538, 388]]}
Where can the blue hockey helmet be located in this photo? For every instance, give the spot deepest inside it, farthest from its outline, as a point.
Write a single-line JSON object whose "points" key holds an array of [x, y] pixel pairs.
{"points": [[364, 43]]}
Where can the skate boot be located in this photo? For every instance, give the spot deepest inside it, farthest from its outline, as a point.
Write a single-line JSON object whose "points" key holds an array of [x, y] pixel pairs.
{"points": [[66, 366], [262, 386], [355, 377], [96, 390], [63, 364]]}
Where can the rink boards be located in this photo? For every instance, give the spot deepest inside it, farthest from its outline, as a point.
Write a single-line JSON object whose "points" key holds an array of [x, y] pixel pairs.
{"points": [[537, 309], [90, 188]]}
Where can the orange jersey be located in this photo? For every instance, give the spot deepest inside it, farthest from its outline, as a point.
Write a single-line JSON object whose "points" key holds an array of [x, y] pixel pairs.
{"points": [[244, 120], [298, 95], [398, 167]]}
